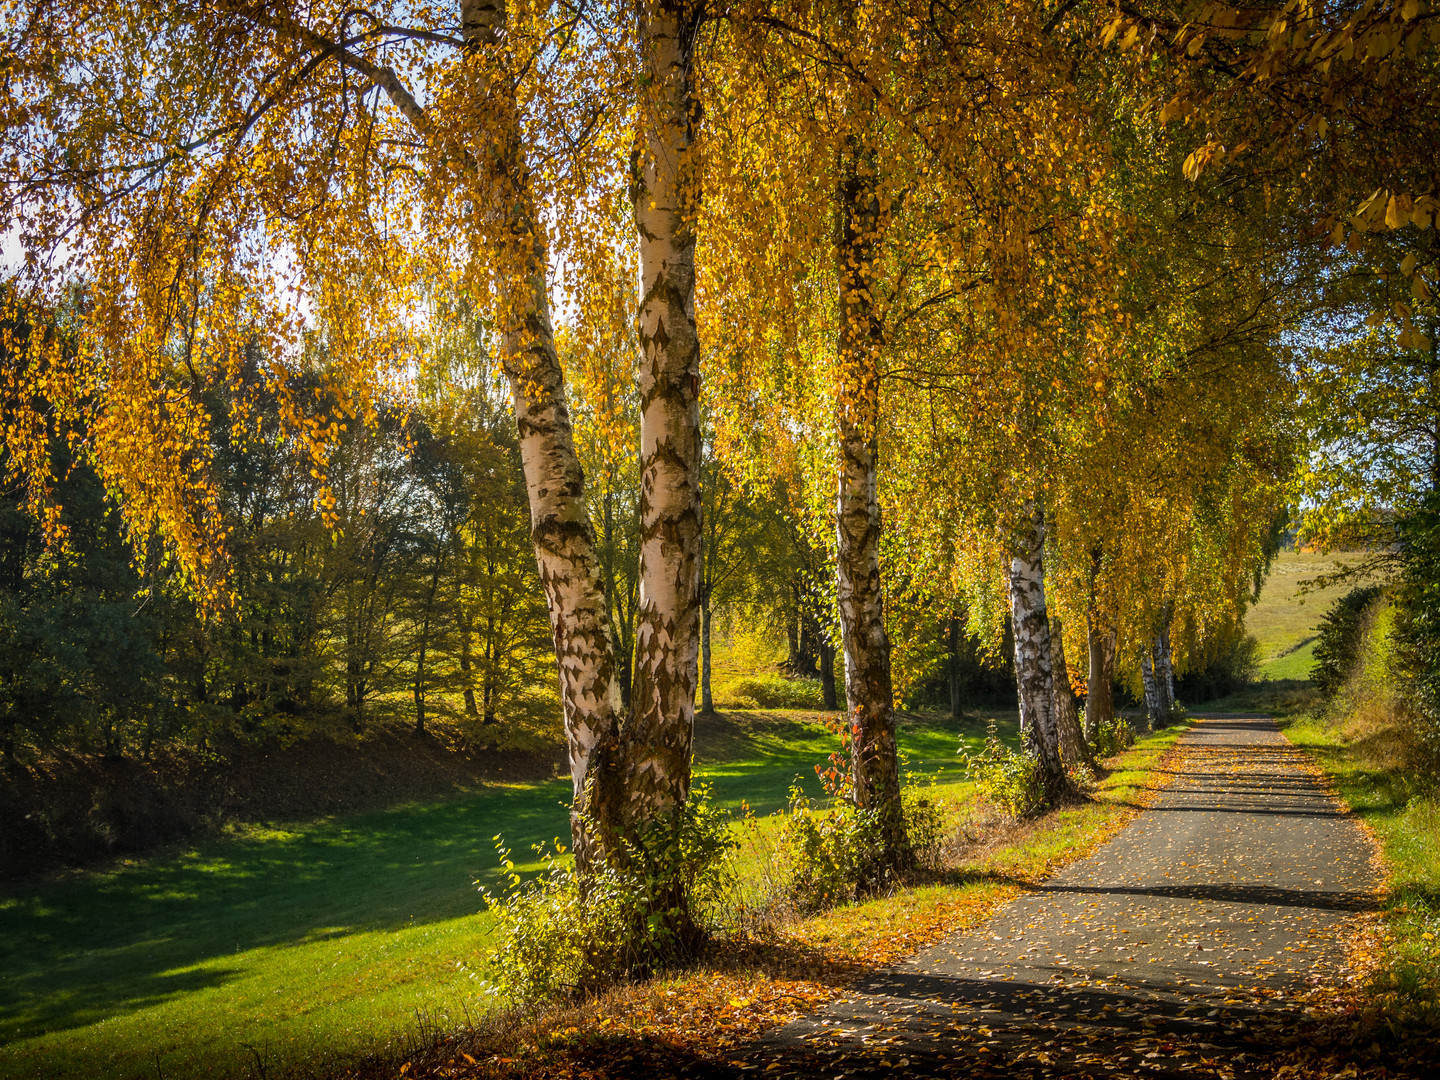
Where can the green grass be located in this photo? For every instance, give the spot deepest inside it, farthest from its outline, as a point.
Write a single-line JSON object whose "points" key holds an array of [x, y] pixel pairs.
{"points": [[1285, 618], [321, 939], [1401, 805]]}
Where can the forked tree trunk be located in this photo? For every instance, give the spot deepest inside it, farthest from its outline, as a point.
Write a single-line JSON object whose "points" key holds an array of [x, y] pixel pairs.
{"points": [[559, 524], [1073, 750], [1034, 675], [666, 191], [1100, 681], [868, 688]]}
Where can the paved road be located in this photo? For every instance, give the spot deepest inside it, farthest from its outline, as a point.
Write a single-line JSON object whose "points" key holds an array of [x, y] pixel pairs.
{"points": [[1178, 949]]}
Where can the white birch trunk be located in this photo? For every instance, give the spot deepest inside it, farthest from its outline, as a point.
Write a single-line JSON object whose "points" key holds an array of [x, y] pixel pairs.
{"points": [[1165, 671], [665, 188], [868, 688], [1152, 688], [1034, 674], [560, 527]]}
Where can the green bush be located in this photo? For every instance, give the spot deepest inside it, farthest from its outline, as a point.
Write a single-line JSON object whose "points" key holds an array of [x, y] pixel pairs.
{"points": [[1338, 640], [926, 820], [833, 847], [657, 906], [772, 692], [1007, 778], [1229, 663], [1113, 736]]}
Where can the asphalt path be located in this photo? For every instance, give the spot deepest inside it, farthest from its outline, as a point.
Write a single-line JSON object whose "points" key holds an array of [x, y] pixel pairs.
{"points": [[1184, 947]]}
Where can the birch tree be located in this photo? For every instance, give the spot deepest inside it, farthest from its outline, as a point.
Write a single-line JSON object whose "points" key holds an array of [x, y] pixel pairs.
{"points": [[261, 172]]}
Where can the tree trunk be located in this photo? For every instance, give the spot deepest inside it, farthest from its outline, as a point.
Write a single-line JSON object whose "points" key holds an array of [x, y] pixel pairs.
{"points": [[466, 676], [1165, 672], [665, 189], [1073, 749], [707, 703], [868, 688], [559, 524], [953, 639], [1100, 683], [418, 691], [1034, 675], [827, 673], [1152, 689]]}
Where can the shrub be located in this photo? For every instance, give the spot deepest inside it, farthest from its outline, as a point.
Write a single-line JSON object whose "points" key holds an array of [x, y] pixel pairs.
{"points": [[1337, 648], [1113, 736], [658, 905], [831, 851], [926, 820], [832, 848], [772, 692], [1007, 778]]}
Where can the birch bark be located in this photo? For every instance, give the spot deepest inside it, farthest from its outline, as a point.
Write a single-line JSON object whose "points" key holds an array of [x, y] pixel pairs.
{"points": [[665, 191], [560, 528], [868, 688], [1034, 674], [1152, 688], [1165, 672]]}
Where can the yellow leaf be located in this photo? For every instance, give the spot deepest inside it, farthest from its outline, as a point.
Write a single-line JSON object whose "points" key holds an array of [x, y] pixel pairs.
{"points": [[1407, 264], [1409, 9]]}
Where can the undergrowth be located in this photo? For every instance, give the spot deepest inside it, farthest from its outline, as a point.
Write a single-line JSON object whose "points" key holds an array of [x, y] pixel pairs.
{"points": [[769, 691]]}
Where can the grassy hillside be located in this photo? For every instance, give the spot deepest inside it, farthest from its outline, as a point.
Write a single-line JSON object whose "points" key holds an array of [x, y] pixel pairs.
{"points": [[1285, 619], [277, 942]]}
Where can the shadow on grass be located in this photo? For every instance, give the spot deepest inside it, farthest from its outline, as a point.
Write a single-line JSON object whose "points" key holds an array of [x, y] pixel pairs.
{"points": [[79, 949], [84, 947]]}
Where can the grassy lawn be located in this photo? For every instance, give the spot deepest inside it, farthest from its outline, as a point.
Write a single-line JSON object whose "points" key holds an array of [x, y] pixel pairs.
{"points": [[283, 943], [1401, 806]]}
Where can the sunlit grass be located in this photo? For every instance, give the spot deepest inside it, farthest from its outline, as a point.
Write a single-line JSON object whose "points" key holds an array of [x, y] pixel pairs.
{"points": [[1401, 805], [1286, 616], [291, 940]]}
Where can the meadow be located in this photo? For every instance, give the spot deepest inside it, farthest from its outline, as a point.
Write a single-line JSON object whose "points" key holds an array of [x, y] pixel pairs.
{"points": [[299, 941], [1289, 610]]}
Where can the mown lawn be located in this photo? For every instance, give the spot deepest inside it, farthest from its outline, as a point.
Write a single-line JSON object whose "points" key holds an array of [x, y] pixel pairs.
{"points": [[287, 944]]}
